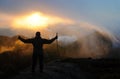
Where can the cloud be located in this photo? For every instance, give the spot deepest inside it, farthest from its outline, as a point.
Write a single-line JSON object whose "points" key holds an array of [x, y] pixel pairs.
{"points": [[9, 21], [61, 25], [6, 32], [5, 19], [79, 39], [38, 20]]}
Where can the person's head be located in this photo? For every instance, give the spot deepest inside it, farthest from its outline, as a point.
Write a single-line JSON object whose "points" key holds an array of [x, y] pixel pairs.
{"points": [[38, 34]]}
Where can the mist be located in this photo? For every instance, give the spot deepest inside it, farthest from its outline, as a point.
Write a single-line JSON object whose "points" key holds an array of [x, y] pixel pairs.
{"points": [[81, 40]]}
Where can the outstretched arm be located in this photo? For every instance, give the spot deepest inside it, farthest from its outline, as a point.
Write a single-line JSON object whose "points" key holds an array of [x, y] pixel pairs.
{"points": [[50, 41], [25, 40]]}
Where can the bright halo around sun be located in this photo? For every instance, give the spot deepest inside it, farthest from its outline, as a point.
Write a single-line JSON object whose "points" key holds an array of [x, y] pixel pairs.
{"points": [[36, 20], [32, 21]]}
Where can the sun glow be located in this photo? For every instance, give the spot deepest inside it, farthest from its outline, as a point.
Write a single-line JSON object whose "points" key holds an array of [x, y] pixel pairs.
{"points": [[38, 20], [34, 20]]}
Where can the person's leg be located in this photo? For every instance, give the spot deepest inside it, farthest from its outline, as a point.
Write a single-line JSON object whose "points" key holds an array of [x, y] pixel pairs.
{"points": [[41, 63], [34, 62]]}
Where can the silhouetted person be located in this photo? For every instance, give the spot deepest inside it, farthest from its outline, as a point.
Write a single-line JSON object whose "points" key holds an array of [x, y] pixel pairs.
{"points": [[37, 43]]}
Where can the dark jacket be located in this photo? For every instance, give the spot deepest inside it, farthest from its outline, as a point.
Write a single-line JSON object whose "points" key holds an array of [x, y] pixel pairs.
{"points": [[37, 43]]}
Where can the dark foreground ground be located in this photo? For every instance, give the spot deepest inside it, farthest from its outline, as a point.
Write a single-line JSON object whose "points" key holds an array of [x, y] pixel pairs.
{"points": [[73, 69]]}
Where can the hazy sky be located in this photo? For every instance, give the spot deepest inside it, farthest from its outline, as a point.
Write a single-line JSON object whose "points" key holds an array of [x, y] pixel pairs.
{"points": [[102, 13]]}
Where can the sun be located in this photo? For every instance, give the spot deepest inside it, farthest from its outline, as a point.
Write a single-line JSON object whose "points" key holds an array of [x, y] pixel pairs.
{"points": [[32, 21], [36, 20]]}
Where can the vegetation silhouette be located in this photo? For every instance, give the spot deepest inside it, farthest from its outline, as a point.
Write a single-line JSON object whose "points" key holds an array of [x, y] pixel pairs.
{"points": [[37, 43]]}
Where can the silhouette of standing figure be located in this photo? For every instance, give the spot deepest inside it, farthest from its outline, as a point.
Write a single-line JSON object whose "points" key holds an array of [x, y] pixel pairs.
{"points": [[37, 43]]}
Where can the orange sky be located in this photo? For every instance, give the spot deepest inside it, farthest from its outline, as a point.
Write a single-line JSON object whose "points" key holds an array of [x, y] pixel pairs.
{"points": [[37, 20]]}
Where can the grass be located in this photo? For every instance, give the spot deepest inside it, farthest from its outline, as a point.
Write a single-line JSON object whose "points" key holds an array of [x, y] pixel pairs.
{"points": [[98, 68], [13, 62]]}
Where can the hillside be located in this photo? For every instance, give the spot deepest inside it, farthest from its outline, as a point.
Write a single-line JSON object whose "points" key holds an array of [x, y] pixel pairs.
{"points": [[75, 69]]}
